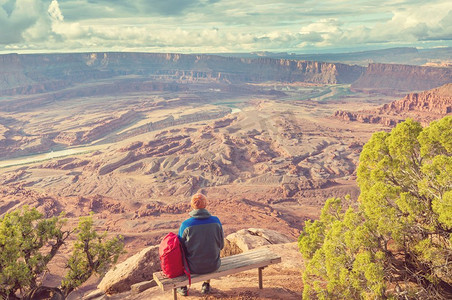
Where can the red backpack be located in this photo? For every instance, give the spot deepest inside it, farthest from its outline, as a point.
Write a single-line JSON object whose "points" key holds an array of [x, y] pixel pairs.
{"points": [[172, 257]]}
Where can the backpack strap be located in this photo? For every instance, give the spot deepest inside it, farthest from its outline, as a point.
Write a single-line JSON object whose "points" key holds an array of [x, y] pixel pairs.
{"points": [[186, 268]]}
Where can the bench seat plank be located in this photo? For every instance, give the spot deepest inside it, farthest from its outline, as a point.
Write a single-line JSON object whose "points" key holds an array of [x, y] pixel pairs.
{"points": [[229, 265]]}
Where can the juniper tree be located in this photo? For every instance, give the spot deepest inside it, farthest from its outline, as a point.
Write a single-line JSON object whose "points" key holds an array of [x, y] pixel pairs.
{"points": [[92, 254], [396, 240], [28, 242]]}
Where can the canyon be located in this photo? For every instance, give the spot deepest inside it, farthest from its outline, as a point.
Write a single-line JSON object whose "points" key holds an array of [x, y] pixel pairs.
{"points": [[40, 73], [131, 136]]}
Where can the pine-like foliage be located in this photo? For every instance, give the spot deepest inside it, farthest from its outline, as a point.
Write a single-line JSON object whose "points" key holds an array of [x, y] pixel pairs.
{"points": [[395, 242], [28, 243]]}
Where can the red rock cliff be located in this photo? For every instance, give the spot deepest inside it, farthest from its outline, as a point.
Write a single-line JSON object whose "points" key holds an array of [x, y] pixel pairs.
{"points": [[402, 78], [423, 107], [437, 101]]}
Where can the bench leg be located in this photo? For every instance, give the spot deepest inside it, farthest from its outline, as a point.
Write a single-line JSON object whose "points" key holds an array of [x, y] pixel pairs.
{"points": [[174, 294], [260, 277]]}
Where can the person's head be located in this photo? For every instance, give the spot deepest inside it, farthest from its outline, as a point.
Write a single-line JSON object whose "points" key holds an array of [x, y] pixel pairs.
{"points": [[198, 201]]}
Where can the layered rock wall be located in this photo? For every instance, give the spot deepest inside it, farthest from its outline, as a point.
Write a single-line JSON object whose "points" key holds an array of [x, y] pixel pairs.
{"points": [[437, 101], [37, 73], [402, 78]]}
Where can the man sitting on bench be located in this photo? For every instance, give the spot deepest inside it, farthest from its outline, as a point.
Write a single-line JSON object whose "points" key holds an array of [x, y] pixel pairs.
{"points": [[202, 238]]}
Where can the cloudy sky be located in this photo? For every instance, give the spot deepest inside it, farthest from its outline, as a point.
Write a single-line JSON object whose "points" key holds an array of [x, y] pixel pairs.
{"points": [[212, 26]]}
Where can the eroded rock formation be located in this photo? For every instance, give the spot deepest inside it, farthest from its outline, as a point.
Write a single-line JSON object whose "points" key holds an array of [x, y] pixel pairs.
{"points": [[436, 101], [136, 268], [424, 107], [251, 238]]}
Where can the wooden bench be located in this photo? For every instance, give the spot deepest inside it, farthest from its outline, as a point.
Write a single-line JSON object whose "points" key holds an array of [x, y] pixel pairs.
{"points": [[259, 259]]}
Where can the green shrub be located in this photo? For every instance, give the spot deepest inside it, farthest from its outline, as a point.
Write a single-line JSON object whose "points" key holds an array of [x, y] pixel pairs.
{"points": [[396, 240]]}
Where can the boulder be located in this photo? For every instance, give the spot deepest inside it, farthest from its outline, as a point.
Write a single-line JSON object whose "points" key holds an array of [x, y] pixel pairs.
{"points": [[247, 239], [95, 295], [142, 286], [137, 268], [292, 260]]}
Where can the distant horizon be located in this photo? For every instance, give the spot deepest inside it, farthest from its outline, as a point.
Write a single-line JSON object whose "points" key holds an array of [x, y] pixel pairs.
{"points": [[219, 26], [326, 52]]}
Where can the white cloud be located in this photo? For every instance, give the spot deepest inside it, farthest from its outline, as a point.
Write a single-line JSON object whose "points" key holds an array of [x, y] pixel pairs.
{"points": [[17, 19], [408, 25], [213, 26], [322, 26], [38, 32], [55, 12]]}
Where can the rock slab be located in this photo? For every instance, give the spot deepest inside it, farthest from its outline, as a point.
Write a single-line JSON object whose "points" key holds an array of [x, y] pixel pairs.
{"points": [[247, 239], [135, 269], [142, 286]]}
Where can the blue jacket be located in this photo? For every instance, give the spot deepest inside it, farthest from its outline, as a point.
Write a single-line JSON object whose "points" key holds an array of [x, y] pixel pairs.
{"points": [[202, 237]]}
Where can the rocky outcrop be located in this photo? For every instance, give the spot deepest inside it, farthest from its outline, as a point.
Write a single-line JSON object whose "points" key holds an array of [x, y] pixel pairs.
{"points": [[424, 107], [171, 121], [436, 101], [159, 147], [15, 144], [394, 78], [136, 268], [290, 189], [364, 117], [108, 126], [68, 138], [156, 209], [127, 159], [95, 295], [38, 73], [247, 239]]}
